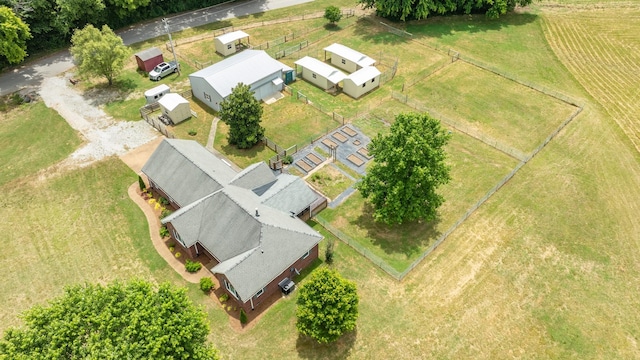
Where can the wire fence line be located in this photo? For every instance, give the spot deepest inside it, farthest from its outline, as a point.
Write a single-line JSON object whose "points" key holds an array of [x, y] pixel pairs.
{"points": [[228, 29], [494, 143]]}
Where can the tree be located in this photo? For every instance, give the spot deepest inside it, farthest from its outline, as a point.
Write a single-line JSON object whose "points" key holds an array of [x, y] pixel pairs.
{"points": [[409, 166], [14, 34], [333, 14], [242, 112], [421, 9], [124, 7], [99, 53], [74, 14], [130, 320], [327, 306]]}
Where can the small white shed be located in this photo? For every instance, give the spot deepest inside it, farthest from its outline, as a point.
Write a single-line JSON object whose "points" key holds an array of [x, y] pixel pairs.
{"points": [[347, 59], [175, 107], [361, 82], [153, 95], [320, 74], [227, 44]]}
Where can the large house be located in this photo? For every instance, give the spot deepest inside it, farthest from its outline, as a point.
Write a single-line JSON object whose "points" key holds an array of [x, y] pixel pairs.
{"points": [[264, 75], [248, 221]]}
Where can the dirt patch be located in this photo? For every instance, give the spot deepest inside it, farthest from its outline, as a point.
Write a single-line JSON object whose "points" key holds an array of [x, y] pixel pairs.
{"points": [[103, 135]]}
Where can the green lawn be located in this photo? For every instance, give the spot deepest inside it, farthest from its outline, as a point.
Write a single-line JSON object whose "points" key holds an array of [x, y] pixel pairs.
{"points": [[475, 168], [492, 105], [330, 181], [33, 137]]}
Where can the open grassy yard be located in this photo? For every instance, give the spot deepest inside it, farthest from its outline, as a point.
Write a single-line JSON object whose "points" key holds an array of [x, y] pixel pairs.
{"points": [[33, 137], [548, 268], [475, 168], [491, 105]]}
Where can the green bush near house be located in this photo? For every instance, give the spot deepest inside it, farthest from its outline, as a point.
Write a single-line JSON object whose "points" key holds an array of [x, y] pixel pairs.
{"points": [[206, 284], [192, 266]]}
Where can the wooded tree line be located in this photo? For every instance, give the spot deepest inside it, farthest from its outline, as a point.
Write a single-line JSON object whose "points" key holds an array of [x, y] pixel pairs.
{"points": [[421, 9], [52, 22]]}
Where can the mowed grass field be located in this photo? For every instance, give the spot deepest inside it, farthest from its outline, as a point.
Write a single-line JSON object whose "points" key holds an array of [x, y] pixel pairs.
{"points": [[548, 268], [491, 105]]}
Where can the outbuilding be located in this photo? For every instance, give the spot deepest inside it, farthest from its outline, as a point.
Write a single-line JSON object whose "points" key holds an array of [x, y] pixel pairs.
{"points": [[319, 73], [175, 107], [154, 94], [148, 59], [361, 82], [264, 75], [346, 58], [229, 43]]}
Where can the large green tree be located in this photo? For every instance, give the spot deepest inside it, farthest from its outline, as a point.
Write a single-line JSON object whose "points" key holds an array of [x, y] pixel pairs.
{"points": [[98, 53], [327, 306], [133, 320], [14, 34], [421, 9], [243, 113], [409, 166]]}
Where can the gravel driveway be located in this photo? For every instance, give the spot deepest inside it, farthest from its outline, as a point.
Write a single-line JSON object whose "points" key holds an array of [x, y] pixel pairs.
{"points": [[103, 135]]}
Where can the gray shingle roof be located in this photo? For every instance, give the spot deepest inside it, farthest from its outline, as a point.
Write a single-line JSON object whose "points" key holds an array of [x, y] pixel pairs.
{"points": [[252, 250], [247, 67], [255, 176], [289, 193], [186, 171]]}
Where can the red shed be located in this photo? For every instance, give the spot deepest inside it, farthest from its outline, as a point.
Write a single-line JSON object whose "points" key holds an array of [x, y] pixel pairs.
{"points": [[148, 59]]}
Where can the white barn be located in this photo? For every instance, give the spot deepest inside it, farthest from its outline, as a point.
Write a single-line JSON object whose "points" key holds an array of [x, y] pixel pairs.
{"points": [[255, 68], [175, 107], [361, 82], [226, 44], [320, 74], [347, 59]]}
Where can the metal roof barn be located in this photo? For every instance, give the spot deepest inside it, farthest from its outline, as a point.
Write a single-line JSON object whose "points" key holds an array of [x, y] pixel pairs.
{"points": [[255, 68], [348, 59], [175, 107], [229, 43], [149, 58], [361, 82], [319, 73]]}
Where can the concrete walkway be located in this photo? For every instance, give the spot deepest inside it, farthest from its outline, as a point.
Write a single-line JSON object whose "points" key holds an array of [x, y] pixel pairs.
{"points": [[158, 243]]}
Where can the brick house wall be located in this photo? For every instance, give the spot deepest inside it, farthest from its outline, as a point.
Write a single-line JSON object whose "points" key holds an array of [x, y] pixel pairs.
{"points": [[272, 287]]}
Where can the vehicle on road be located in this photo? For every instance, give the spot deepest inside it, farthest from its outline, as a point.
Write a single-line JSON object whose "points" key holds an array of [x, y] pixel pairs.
{"points": [[163, 69]]}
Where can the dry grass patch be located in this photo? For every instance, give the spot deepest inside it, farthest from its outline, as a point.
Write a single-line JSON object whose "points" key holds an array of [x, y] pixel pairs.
{"points": [[330, 181]]}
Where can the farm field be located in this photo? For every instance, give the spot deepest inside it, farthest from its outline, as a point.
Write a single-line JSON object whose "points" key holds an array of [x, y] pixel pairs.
{"points": [[547, 268]]}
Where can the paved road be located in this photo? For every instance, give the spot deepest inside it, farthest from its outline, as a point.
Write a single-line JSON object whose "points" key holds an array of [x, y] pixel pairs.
{"points": [[32, 74]]}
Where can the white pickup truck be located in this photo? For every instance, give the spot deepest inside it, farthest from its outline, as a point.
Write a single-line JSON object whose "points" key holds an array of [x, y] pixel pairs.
{"points": [[163, 69]]}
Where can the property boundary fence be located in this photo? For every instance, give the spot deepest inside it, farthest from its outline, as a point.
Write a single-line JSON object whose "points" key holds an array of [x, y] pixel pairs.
{"points": [[146, 112], [221, 31]]}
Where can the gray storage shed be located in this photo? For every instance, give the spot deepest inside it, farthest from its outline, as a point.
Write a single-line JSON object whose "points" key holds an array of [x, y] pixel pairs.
{"points": [[255, 68], [320, 74], [347, 59], [227, 44], [361, 82], [175, 107]]}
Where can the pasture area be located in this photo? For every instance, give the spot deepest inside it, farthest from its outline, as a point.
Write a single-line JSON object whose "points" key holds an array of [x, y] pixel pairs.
{"points": [[491, 105], [548, 268]]}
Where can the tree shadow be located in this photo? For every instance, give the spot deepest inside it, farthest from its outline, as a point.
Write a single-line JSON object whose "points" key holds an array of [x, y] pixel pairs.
{"points": [[308, 348], [409, 238], [440, 26], [370, 30]]}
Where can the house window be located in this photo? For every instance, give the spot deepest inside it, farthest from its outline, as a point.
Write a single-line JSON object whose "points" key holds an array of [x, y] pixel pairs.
{"points": [[344, 61], [176, 235], [306, 255], [207, 96], [373, 80], [314, 75], [229, 47], [365, 84], [230, 288], [260, 292]]}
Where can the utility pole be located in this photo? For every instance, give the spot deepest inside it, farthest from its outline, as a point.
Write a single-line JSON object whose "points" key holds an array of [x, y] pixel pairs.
{"points": [[166, 28]]}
